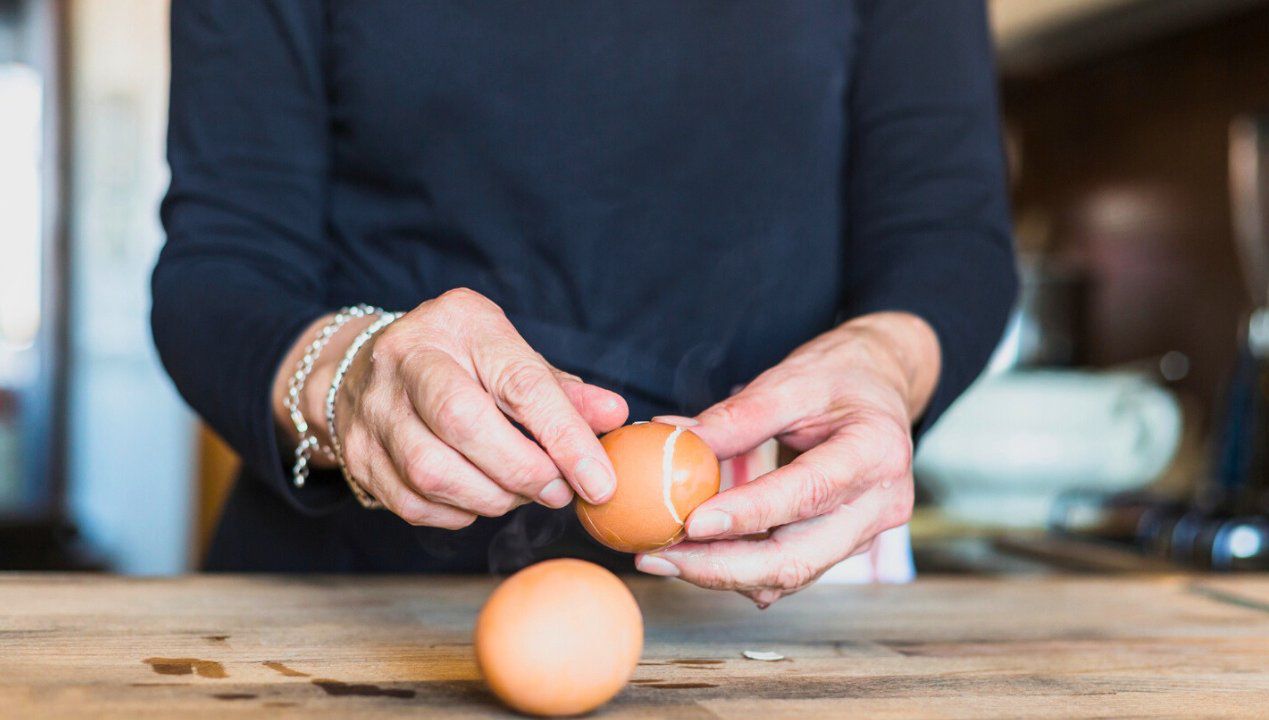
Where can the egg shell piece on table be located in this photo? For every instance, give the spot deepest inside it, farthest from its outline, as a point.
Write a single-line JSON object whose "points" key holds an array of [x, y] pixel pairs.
{"points": [[663, 473], [561, 637]]}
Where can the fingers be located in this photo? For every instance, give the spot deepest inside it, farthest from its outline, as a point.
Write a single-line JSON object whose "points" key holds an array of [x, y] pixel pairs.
{"points": [[525, 388], [602, 409], [440, 473], [792, 558], [379, 477], [763, 598], [468, 374], [455, 408], [814, 483], [747, 419]]}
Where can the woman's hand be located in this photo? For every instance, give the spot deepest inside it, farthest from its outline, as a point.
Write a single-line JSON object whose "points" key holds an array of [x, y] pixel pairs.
{"points": [[423, 413], [847, 400]]}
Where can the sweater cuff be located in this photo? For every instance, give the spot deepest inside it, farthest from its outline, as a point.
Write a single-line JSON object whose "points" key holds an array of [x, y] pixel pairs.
{"points": [[325, 490], [965, 297]]}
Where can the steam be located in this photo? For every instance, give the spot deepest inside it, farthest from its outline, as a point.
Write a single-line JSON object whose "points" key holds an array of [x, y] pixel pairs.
{"points": [[520, 542]]}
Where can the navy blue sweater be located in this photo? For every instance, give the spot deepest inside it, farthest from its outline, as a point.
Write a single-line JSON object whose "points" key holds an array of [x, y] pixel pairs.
{"points": [[666, 196]]}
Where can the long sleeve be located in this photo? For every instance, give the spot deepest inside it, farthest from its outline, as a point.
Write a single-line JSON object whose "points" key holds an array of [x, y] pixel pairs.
{"points": [[242, 272], [928, 225]]}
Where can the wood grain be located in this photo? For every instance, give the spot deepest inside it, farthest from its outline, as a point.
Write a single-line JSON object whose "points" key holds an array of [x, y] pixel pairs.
{"points": [[233, 646]]}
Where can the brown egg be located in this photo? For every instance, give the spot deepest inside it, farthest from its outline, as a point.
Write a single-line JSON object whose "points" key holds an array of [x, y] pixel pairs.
{"points": [[663, 473], [559, 638]]}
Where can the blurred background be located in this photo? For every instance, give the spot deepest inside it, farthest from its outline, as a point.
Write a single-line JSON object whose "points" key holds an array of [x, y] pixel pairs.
{"points": [[1121, 427]]}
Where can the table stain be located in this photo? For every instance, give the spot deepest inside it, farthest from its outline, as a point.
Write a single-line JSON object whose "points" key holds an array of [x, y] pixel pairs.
{"points": [[216, 638], [186, 666], [235, 696], [339, 689], [279, 667]]}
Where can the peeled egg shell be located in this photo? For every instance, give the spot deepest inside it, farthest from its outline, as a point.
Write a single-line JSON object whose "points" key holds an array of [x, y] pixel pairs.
{"points": [[663, 473], [561, 637]]}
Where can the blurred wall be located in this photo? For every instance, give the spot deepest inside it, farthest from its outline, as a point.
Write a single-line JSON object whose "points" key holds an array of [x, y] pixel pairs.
{"points": [[130, 479], [1122, 171]]}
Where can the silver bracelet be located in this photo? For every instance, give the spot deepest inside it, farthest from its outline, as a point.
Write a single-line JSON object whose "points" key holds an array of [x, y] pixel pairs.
{"points": [[295, 386], [366, 499]]}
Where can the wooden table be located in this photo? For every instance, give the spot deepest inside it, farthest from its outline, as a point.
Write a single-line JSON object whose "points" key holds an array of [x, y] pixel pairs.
{"points": [[230, 646]]}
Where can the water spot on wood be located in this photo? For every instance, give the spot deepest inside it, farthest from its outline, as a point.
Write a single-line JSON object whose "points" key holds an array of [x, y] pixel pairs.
{"points": [[186, 666], [235, 696], [339, 689], [683, 686], [216, 638], [279, 667]]}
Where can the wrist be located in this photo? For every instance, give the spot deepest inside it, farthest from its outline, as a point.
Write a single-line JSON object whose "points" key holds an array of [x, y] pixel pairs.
{"points": [[312, 395], [908, 354], [313, 399]]}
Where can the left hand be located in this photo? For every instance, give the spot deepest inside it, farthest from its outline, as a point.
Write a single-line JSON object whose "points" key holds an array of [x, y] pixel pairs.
{"points": [[847, 399]]}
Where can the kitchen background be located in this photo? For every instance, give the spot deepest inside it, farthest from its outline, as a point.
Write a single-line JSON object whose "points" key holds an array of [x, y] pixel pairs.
{"points": [[1119, 428]]}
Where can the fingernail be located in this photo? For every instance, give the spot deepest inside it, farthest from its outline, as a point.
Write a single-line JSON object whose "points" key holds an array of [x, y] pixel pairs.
{"points": [[653, 565], [556, 494], [708, 524], [597, 483], [677, 420]]}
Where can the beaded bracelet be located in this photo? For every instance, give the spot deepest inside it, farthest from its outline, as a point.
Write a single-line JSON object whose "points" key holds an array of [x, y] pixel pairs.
{"points": [[295, 386], [366, 499]]}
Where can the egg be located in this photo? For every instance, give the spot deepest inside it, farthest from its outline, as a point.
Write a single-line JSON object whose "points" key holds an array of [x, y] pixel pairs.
{"points": [[561, 637], [663, 473]]}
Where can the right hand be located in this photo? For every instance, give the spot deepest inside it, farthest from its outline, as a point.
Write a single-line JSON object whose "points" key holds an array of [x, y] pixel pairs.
{"points": [[424, 417]]}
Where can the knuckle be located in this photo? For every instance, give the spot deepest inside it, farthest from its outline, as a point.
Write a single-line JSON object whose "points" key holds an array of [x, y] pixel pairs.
{"points": [[899, 512], [355, 442], [414, 511], [464, 300], [898, 456], [526, 477], [892, 444], [502, 505], [713, 573], [792, 574], [723, 414], [766, 597], [523, 384], [819, 491], [560, 434], [421, 465], [458, 522], [456, 417], [459, 295], [389, 346]]}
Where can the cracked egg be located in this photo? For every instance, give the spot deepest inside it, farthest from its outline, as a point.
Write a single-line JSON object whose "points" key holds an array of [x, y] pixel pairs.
{"points": [[663, 473]]}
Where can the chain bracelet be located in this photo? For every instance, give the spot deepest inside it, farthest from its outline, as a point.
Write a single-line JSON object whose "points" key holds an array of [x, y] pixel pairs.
{"points": [[385, 319], [295, 386]]}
